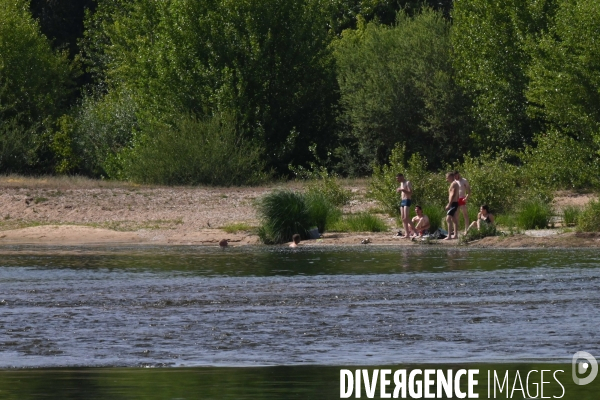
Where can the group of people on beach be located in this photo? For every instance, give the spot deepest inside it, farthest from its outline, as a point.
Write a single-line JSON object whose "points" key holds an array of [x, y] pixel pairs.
{"points": [[458, 194]]}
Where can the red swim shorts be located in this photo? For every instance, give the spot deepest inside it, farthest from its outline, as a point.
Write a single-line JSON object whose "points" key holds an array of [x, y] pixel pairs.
{"points": [[462, 201]]}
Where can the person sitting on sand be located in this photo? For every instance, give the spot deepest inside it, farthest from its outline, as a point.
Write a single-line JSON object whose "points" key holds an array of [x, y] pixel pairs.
{"points": [[295, 240], [484, 217], [421, 222]]}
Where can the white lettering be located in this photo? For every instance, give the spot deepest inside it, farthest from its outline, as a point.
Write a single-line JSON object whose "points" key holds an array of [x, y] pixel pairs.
{"points": [[542, 384], [383, 383], [411, 384], [400, 384], [428, 383], [357, 386], [472, 383], [458, 393], [557, 381], [444, 383], [371, 385], [517, 378], [346, 377], [537, 387]]}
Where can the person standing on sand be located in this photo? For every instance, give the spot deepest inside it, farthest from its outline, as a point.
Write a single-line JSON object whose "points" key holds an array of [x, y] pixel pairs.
{"points": [[464, 190], [452, 207], [405, 190]]}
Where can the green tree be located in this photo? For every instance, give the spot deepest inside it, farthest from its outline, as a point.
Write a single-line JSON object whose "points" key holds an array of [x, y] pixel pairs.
{"points": [[266, 62], [396, 85], [491, 42], [565, 72], [35, 83]]}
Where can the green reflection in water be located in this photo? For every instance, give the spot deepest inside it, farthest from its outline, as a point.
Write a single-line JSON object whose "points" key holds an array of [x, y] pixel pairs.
{"points": [[302, 382], [261, 261]]}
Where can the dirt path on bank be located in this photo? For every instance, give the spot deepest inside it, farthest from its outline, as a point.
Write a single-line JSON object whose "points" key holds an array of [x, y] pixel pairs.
{"points": [[77, 211]]}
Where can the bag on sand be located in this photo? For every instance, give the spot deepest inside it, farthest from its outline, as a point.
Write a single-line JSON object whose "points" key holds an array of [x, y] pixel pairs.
{"points": [[440, 234]]}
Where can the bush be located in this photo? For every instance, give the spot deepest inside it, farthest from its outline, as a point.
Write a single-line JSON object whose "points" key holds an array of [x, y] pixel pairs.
{"points": [[589, 219], [321, 211], [570, 215], [361, 222], [485, 230], [283, 214], [493, 182], [533, 214], [436, 216], [320, 180], [193, 151]]}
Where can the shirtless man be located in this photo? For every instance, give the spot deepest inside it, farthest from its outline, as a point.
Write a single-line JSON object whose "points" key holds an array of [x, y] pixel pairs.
{"points": [[405, 190], [421, 222], [452, 207], [464, 190]]}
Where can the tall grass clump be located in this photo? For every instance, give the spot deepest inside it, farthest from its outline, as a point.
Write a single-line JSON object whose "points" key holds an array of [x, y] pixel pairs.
{"points": [[533, 214], [436, 215], [570, 215], [589, 219], [283, 213], [360, 222], [485, 230], [321, 211]]}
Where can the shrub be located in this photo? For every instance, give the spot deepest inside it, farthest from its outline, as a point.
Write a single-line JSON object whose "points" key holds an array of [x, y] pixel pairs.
{"points": [[383, 184], [533, 214], [283, 214], [570, 215], [320, 180], [436, 216], [194, 151], [589, 219], [485, 230], [493, 181], [428, 187], [321, 211], [361, 222]]}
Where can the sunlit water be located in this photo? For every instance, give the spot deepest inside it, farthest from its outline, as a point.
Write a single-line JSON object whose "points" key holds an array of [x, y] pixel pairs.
{"points": [[252, 307]]}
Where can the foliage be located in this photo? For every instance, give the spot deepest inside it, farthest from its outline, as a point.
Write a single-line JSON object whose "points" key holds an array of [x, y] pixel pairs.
{"points": [[396, 85], [533, 214], [266, 62], [579, 165], [491, 43], [35, 82], [236, 227], [321, 210], [493, 181], [484, 230], [565, 71], [283, 213], [383, 184], [589, 219], [570, 215], [429, 188], [320, 180], [361, 222], [436, 215], [193, 151]]}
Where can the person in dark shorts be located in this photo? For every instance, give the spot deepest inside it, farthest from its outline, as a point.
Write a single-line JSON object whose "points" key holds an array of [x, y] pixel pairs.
{"points": [[452, 207]]}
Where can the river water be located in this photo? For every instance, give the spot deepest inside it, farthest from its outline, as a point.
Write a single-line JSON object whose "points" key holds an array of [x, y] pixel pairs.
{"points": [[372, 306]]}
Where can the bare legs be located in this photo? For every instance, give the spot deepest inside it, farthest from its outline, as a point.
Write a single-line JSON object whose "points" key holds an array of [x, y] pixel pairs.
{"points": [[406, 222], [463, 210], [452, 226]]}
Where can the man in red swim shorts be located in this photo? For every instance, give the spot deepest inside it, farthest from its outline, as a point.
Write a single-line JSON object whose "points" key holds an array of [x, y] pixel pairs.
{"points": [[464, 190]]}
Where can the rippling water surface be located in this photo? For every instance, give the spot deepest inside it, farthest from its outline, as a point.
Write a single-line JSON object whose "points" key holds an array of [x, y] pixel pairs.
{"points": [[240, 307]]}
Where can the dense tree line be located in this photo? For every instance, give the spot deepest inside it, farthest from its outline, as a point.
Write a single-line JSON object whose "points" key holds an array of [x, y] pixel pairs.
{"points": [[230, 92]]}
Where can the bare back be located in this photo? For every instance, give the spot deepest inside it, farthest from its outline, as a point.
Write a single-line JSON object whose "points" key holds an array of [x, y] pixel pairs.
{"points": [[453, 192]]}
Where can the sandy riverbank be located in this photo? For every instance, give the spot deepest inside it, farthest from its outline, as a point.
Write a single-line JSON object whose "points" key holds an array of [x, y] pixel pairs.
{"points": [[75, 211]]}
